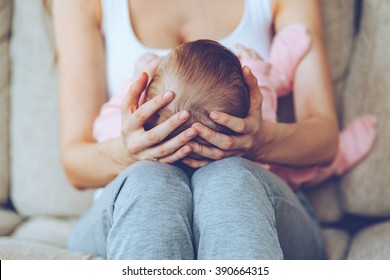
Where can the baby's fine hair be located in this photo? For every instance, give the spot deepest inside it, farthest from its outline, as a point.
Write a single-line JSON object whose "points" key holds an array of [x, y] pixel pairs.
{"points": [[205, 76]]}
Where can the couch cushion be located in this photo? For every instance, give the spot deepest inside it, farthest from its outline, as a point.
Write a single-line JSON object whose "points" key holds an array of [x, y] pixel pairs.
{"points": [[39, 186], [48, 230], [338, 21], [325, 201], [372, 243], [5, 25], [336, 243], [9, 221], [5, 18], [13, 249], [366, 189]]}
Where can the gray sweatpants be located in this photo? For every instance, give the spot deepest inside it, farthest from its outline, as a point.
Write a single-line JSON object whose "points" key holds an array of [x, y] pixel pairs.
{"points": [[229, 209]]}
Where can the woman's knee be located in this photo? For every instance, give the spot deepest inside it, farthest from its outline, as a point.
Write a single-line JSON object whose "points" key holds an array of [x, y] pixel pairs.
{"points": [[154, 184], [229, 172], [226, 165], [236, 180], [230, 203]]}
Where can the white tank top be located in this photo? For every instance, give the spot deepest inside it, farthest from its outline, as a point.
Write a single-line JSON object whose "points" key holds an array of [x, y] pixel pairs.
{"points": [[123, 47]]}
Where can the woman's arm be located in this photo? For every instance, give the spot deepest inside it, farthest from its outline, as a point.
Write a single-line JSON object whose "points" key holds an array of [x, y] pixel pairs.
{"points": [[314, 136], [313, 139], [82, 93]]}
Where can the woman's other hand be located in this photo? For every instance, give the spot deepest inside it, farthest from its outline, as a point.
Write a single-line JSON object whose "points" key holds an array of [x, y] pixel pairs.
{"points": [[138, 144], [249, 130]]}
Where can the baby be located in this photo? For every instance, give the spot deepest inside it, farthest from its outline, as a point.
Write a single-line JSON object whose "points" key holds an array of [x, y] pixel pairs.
{"points": [[206, 77]]}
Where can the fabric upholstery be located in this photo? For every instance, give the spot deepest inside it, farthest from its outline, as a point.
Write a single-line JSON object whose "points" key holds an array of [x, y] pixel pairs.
{"points": [[13, 249], [336, 243], [39, 186], [5, 25], [365, 190], [338, 26], [372, 243], [325, 201], [9, 220], [48, 230]]}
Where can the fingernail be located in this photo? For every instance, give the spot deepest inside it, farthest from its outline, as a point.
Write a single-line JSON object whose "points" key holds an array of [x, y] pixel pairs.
{"points": [[167, 95], [183, 115], [186, 150], [191, 133], [247, 69], [214, 116]]}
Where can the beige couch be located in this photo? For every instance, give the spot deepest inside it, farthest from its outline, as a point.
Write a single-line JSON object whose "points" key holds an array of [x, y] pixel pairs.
{"points": [[38, 207]]}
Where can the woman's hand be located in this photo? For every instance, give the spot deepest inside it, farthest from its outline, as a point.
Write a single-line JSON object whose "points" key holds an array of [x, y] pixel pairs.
{"points": [[249, 129], [139, 144]]}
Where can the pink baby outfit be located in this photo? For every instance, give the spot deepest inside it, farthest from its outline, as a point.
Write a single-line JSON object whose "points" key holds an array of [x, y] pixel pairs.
{"points": [[275, 79]]}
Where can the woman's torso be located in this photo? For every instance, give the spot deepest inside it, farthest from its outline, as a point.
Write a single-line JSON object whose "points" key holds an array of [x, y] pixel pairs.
{"points": [[133, 29]]}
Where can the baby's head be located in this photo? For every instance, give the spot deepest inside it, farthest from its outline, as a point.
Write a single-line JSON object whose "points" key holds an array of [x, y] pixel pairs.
{"points": [[205, 77]]}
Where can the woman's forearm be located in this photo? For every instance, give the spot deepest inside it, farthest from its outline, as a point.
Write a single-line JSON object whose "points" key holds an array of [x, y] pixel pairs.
{"points": [[314, 141], [93, 165]]}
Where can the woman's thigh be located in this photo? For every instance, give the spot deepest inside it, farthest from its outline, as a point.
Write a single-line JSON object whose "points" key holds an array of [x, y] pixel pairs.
{"points": [[244, 211]]}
